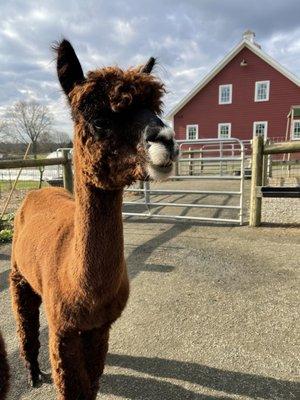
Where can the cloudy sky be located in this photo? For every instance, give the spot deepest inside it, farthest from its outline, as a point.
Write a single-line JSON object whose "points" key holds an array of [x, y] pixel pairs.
{"points": [[188, 36]]}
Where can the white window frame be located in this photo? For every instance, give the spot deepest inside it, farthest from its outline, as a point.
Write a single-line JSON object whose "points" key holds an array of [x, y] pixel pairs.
{"points": [[228, 124], [256, 91], [266, 128], [293, 129], [230, 94], [187, 131]]}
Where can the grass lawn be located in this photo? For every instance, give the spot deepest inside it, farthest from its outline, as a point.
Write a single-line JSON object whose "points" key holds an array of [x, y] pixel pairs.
{"points": [[21, 185], [41, 156]]}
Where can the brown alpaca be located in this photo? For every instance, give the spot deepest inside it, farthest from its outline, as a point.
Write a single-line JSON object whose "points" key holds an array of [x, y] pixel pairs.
{"points": [[4, 370], [68, 252]]}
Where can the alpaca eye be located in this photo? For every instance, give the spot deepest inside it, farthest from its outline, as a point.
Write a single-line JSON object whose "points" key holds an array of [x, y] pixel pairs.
{"points": [[101, 127], [100, 124]]}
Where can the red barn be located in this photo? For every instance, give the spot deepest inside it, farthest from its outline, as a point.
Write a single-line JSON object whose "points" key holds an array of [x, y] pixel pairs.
{"points": [[248, 93]]}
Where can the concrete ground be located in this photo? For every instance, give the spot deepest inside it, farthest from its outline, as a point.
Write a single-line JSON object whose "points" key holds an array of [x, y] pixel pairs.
{"points": [[213, 314]]}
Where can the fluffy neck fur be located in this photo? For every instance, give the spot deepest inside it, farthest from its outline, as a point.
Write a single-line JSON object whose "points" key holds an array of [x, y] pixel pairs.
{"points": [[98, 236]]}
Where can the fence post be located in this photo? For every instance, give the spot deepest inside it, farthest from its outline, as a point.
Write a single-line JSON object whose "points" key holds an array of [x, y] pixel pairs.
{"points": [[147, 195], [256, 180], [190, 162], [201, 157], [270, 165], [221, 156], [67, 171], [176, 168], [265, 170]]}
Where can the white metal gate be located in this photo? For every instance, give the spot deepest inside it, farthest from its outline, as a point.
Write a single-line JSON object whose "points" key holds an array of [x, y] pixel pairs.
{"points": [[210, 160]]}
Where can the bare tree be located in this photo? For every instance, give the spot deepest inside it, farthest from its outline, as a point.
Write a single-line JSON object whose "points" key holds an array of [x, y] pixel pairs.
{"points": [[28, 122], [61, 137], [3, 129], [46, 138]]}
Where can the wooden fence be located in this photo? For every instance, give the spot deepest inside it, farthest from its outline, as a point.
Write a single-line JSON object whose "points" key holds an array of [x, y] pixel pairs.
{"points": [[65, 161], [260, 152]]}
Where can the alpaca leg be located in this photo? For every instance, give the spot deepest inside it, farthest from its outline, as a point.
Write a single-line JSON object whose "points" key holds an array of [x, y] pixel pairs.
{"points": [[68, 367], [4, 370], [95, 344], [26, 305]]}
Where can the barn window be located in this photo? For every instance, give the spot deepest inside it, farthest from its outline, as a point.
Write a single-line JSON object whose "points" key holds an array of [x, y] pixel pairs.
{"points": [[262, 90], [260, 128], [224, 130], [296, 130], [192, 132], [225, 94]]}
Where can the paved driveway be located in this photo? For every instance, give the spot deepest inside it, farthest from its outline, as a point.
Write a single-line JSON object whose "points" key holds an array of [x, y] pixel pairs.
{"points": [[212, 315]]}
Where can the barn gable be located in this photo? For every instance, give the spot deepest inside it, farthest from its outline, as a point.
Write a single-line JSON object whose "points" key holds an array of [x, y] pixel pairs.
{"points": [[246, 43]]}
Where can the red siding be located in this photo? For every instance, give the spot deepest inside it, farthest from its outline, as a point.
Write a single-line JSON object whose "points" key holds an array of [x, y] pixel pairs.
{"points": [[203, 109]]}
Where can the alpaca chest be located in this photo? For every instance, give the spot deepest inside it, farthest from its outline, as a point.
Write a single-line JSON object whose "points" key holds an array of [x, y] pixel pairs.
{"points": [[108, 312], [83, 314], [103, 316]]}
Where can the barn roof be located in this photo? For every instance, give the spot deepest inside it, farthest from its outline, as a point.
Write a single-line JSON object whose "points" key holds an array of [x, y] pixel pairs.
{"points": [[252, 46]]}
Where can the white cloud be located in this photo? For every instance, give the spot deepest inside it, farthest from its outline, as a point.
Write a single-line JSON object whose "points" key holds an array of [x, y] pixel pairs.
{"points": [[123, 31], [187, 36]]}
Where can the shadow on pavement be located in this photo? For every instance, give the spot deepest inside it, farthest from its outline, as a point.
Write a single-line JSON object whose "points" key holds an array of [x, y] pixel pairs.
{"points": [[233, 383], [132, 387], [295, 225], [138, 257]]}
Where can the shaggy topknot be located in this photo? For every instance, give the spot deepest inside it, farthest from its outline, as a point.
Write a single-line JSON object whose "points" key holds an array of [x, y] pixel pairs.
{"points": [[119, 89]]}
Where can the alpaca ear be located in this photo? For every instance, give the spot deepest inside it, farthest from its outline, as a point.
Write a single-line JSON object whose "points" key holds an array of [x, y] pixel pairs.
{"points": [[69, 70], [147, 68]]}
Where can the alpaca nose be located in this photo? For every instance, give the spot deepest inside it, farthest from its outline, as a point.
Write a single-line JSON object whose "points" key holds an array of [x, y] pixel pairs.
{"points": [[161, 145]]}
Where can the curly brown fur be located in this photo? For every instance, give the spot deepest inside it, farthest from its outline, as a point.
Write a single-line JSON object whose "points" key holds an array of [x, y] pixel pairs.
{"points": [[26, 305], [4, 370], [118, 90], [69, 252]]}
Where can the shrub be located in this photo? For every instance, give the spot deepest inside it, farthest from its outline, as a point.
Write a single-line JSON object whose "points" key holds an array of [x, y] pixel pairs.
{"points": [[6, 235], [6, 228]]}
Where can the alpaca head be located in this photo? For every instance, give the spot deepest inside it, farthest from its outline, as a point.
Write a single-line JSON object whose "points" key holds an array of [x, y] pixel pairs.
{"points": [[119, 136]]}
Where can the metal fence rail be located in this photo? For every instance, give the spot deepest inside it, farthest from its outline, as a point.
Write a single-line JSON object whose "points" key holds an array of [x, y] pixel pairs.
{"points": [[208, 152]]}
